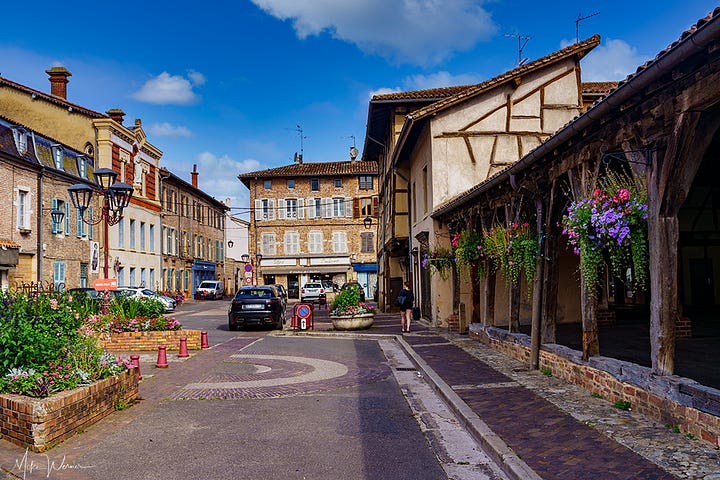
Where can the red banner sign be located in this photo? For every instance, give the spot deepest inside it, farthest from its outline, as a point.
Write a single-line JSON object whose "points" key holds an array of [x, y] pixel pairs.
{"points": [[105, 284]]}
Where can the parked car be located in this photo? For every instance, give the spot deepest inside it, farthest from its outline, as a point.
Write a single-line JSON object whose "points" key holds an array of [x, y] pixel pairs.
{"points": [[145, 292], [282, 292], [210, 289], [293, 289], [92, 293], [354, 285], [256, 305], [329, 286], [311, 292]]}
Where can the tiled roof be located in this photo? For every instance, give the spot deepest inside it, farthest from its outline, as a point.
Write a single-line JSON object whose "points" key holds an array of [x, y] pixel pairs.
{"points": [[51, 98], [580, 49], [315, 169], [428, 94], [598, 87], [8, 243]]}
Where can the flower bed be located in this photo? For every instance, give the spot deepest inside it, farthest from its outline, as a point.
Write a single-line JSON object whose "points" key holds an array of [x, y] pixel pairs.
{"points": [[121, 342], [40, 423]]}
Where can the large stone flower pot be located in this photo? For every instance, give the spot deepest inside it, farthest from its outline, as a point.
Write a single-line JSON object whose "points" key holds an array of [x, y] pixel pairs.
{"points": [[353, 322]]}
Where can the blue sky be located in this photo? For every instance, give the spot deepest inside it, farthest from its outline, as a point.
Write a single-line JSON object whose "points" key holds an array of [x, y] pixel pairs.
{"points": [[224, 84]]}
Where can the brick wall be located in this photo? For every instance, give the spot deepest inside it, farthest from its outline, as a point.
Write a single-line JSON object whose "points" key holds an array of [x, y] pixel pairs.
{"points": [[570, 367], [146, 341], [41, 423]]}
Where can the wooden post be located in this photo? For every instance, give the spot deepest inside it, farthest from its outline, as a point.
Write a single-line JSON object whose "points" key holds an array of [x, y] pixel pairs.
{"points": [[489, 300], [514, 324], [550, 273], [590, 338]]}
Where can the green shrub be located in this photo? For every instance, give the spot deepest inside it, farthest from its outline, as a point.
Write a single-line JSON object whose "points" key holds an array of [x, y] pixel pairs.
{"points": [[135, 307], [347, 298]]}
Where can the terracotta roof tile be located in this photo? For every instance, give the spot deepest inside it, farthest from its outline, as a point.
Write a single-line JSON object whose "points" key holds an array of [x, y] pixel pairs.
{"points": [[598, 87], [315, 169], [428, 94], [4, 242]]}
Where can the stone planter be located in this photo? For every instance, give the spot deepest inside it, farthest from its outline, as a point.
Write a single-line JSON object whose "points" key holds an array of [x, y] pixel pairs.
{"points": [[146, 341], [353, 322], [40, 423]]}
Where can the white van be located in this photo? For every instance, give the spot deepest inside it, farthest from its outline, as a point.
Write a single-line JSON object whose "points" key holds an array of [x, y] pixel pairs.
{"points": [[210, 289]]}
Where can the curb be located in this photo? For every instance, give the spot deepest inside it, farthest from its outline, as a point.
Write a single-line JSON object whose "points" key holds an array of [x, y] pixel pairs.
{"points": [[507, 459]]}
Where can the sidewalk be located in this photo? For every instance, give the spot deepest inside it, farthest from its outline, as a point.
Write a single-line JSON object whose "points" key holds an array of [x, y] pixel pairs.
{"points": [[532, 420]]}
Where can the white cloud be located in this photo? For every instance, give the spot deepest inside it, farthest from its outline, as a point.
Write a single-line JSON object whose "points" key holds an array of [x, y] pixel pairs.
{"points": [[611, 62], [167, 130], [422, 32], [383, 91], [167, 89], [439, 79], [196, 78], [218, 177]]}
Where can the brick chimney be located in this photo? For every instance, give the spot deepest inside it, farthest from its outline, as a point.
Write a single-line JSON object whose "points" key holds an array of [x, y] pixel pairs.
{"points": [[58, 81], [116, 114], [194, 175]]}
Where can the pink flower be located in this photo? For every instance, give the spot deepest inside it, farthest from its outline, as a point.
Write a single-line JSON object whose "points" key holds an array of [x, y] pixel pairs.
{"points": [[623, 194], [596, 192]]}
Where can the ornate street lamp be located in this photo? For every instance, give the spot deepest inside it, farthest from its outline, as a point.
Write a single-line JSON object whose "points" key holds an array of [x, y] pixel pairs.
{"points": [[367, 222], [57, 216], [116, 197], [245, 258], [258, 257]]}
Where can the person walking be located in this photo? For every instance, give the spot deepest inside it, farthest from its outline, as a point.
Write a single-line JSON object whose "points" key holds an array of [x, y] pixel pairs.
{"points": [[405, 301]]}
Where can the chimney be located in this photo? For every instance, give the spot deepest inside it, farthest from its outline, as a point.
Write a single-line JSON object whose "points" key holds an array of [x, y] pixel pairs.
{"points": [[58, 81], [194, 174], [116, 114]]}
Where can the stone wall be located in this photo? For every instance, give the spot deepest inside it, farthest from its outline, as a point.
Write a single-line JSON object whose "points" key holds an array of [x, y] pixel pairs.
{"points": [[669, 399], [40, 423], [145, 341]]}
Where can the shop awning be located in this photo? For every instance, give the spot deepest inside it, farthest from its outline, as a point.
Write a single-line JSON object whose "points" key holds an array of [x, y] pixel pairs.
{"points": [[365, 267], [295, 270]]}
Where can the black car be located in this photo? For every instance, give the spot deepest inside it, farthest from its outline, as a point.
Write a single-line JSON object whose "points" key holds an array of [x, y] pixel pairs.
{"points": [[354, 285], [256, 305], [92, 293], [281, 292]]}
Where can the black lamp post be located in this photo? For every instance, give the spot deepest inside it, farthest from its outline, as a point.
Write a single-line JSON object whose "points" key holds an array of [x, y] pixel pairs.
{"points": [[367, 222], [57, 216], [116, 197], [258, 257]]}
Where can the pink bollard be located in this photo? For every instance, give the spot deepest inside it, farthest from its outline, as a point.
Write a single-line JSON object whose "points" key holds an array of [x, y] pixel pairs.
{"points": [[204, 340], [162, 357], [183, 348], [135, 360]]}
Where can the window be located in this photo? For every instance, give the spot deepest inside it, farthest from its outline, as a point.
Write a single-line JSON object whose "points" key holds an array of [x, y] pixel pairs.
{"points": [[80, 225], [337, 182], [339, 242], [121, 276], [59, 275], [366, 207], [143, 277], [132, 233], [152, 237], [65, 208], [132, 277], [425, 190], [268, 244], [121, 235], [315, 242], [83, 275], [315, 184], [292, 243], [168, 240], [314, 209], [338, 207], [291, 183], [366, 182], [291, 208], [57, 154], [23, 210], [152, 278], [81, 161], [21, 138], [367, 245], [265, 209], [267, 184], [142, 236]]}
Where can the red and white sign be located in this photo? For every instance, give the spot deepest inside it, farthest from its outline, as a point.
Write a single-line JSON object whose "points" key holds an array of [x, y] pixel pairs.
{"points": [[102, 284], [248, 268]]}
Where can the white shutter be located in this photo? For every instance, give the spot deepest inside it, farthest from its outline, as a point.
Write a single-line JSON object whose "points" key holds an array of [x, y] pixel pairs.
{"points": [[310, 208], [327, 207], [258, 210], [348, 207], [55, 226], [281, 209], [301, 208], [271, 209]]}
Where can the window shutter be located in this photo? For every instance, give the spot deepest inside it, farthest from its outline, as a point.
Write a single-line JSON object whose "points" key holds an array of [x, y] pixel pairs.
{"points": [[375, 207], [348, 207], [300, 208], [258, 210], [90, 225], [67, 218], [55, 228], [79, 223], [281, 209], [327, 207], [310, 208], [356, 208], [271, 209]]}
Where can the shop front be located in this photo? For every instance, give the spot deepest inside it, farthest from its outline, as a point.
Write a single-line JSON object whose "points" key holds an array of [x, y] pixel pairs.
{"points": [[202, 271]]}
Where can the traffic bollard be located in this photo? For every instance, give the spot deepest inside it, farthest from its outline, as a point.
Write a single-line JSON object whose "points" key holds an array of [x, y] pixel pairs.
{"points": [[162, 357], [135, 360], [183, 348], [204, 340]]}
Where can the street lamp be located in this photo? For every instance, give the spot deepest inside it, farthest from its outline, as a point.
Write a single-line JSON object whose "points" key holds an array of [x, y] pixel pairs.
{"points": [[116, 197], [258, 257], [57, 216], [367, 222], [245, 258]]}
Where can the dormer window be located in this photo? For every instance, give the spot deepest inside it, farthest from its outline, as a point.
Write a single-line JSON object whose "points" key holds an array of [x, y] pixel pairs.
{"points": [[57, 154], [81, 161], [21, 139]]}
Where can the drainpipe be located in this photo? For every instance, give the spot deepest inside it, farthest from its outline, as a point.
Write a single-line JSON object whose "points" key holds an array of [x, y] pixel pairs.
{"points": [[537, 281], [38, 213]]}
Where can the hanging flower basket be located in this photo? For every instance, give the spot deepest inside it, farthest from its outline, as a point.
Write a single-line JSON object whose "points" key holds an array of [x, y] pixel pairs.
{"points": [[513, 250], [469, 255], [439, 260]]}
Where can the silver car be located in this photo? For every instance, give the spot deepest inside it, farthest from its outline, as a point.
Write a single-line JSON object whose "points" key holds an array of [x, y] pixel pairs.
{"points": [[144, 292], [311, 292]]}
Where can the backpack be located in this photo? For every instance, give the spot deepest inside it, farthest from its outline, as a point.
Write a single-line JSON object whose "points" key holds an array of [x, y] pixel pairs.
{"points": [[401, 299]]}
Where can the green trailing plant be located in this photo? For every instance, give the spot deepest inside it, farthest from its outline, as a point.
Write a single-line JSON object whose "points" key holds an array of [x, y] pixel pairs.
{"points": [[512, 250], [622, 405], [547, 372], [440, 260], [468, 253], [610, 226]]}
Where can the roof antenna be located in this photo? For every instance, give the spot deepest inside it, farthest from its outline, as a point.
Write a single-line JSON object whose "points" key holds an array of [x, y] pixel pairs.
{"points": [[577, 24], [522, 41], [299, 158]]}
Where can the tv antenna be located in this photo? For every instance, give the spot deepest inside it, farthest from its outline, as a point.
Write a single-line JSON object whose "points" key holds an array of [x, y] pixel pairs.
{"points": [[577, 24], [522, 41], [299, 130]]}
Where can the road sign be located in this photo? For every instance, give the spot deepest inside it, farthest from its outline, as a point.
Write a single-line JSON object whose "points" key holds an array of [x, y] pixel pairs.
{"points": [[248, 280], [248, 268], [105, 284]]}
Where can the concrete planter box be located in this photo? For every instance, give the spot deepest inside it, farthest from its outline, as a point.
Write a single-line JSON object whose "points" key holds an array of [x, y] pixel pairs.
{"points": [[40, 423], [142, 341], [353, 322]]}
